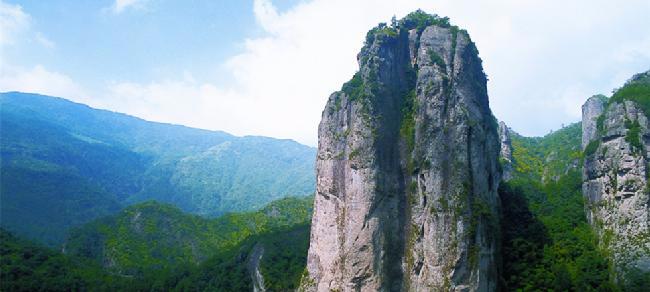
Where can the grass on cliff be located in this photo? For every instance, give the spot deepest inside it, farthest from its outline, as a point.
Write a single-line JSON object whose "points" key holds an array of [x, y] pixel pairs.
{"points": [[638, 92]]}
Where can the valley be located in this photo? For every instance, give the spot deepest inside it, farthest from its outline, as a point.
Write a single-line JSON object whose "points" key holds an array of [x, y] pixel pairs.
{"points": [[415, 186]]}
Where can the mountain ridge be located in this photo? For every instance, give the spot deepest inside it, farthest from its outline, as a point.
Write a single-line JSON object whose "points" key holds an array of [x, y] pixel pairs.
{"points": [[126, 160]]}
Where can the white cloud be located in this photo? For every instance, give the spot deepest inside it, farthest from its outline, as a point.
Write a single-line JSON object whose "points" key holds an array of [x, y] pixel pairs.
{"points": [[44, 41], [183, 101], [543, 58], [39, 80], [15, 26], [542, 61], [281, 80], [13, 21], [120, 6]]}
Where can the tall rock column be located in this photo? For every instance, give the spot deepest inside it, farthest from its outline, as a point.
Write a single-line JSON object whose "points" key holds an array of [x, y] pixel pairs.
{"points": [[591, 110], [407, 168], [615, 177]]}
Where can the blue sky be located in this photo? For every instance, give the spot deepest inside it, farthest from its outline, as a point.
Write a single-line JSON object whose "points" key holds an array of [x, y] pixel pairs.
{"points": [[267, 67]]}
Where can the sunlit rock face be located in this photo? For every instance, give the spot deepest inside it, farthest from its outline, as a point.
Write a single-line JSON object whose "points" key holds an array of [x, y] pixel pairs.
{"points": [[591, 110], [407, 169], [505, 156]]}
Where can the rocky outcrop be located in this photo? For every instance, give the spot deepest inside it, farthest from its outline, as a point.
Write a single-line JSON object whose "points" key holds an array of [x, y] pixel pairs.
{"points": [[407, 168], [505, 155], [591, 110], [253, 267], [616, 180]]}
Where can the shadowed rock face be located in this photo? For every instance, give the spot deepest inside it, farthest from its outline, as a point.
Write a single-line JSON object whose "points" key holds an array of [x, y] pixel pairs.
{"points": [[615, 183], [407, 170]]}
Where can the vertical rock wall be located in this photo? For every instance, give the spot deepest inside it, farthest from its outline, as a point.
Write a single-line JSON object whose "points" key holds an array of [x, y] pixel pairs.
{"points": [[407, 170], [615, 174]]}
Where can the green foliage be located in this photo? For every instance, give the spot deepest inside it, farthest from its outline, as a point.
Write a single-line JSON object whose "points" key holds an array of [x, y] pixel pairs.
{"points": [[41, 204], [436, 59], [354, 88], [592, 147], [638, 92], [551, 247], [633, 134], [151, 236], [419, 20], [354, 153], [285, 258], [282, 265], [550, 156], [25, 266], [600, 124], [156, 247], [407, 126], [415, 20], [636, 280]]}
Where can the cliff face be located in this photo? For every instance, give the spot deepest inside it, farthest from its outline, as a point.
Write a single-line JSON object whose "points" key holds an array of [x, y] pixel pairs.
{"points": [[616, 177], [591, 110], [505, 155], [407, 168]]}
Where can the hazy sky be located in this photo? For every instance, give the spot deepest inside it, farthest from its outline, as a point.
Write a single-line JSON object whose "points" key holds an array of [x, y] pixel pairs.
{"points": [[267, 67]]}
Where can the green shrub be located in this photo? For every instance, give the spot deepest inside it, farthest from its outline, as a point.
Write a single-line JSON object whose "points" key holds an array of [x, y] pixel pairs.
{"points": [[407, 128], [636, 92], [633, 134], [592, 147], [419, 19], [436, 59], [354, 88]]}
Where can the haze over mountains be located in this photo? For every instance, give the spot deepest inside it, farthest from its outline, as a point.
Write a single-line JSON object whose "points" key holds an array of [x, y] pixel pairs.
{"points": [[64, 164]]}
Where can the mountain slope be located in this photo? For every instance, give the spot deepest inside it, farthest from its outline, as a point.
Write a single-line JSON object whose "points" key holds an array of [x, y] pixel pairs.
{"points": [[547, 242], [157, 247], [25, 266], [120, 160], [284, 256], [152, 236], [549, 157]]}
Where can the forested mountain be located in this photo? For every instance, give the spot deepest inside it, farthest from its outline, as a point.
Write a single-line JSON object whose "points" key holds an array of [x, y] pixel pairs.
{"points": [[547, 242], [151, 236], [418, 189], [153, 246], [65, 163], [548, 158]]}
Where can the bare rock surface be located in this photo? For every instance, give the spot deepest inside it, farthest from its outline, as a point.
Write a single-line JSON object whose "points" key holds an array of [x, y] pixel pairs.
{"points": [[615, 183], [407, 170], [505, 156]]}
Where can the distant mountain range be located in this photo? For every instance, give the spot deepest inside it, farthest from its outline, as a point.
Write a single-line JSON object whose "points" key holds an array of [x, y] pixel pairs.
{"points": [[64, 164]]}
